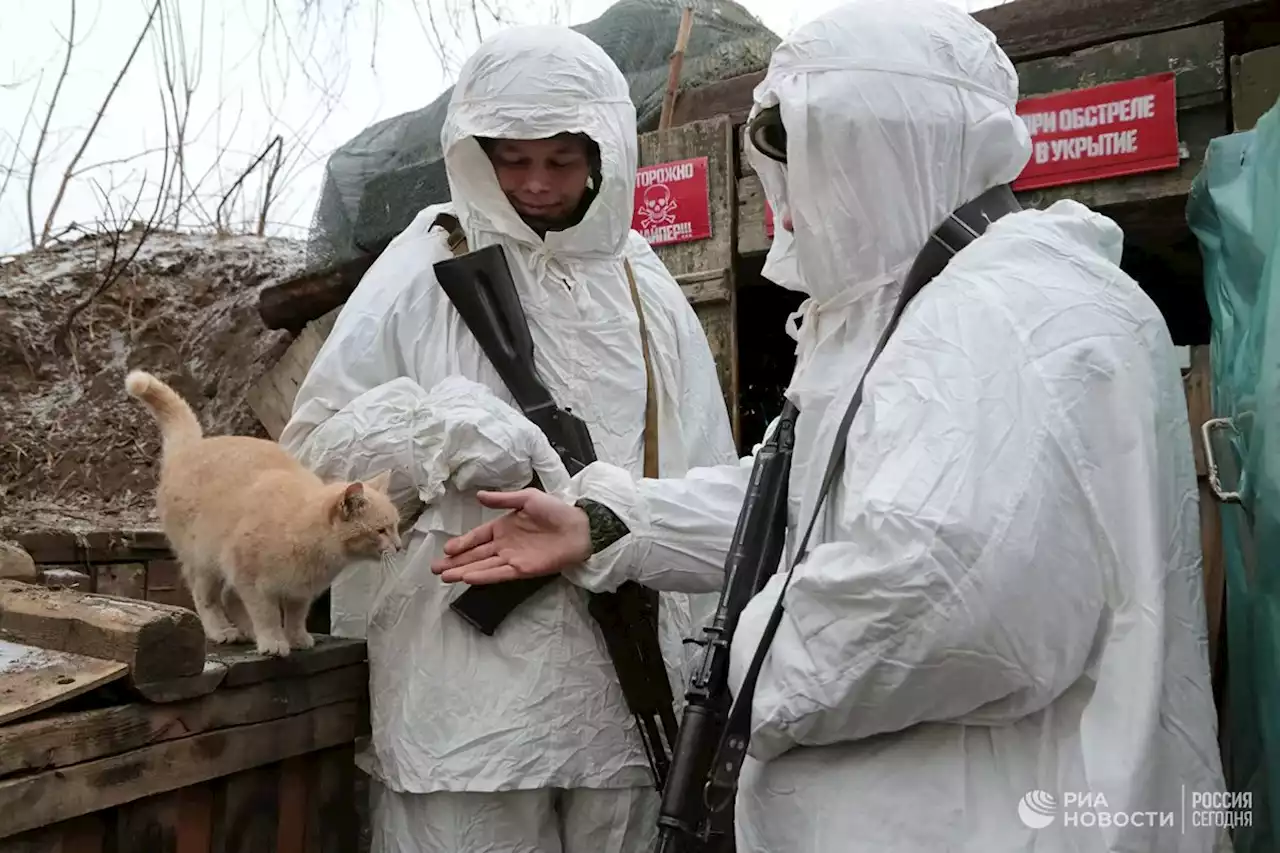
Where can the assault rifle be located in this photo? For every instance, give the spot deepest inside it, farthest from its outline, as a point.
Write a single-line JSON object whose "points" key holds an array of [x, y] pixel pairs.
{"points": [[480, 286], [695, 814], [697, 805]]}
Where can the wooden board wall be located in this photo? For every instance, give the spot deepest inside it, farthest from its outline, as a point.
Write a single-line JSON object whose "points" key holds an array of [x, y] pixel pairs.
{"points": [[240, 768], [304, 804], [1255, 85], [704, 268], [271, 397], [1194, 54]]}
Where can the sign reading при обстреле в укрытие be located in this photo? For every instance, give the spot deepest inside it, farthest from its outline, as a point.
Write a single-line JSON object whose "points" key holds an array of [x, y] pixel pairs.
{"points": [[1101, 132], [1195, 810]]}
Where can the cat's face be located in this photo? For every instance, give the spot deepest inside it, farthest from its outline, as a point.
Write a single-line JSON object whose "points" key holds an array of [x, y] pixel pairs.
{"points": [[367, 520]]}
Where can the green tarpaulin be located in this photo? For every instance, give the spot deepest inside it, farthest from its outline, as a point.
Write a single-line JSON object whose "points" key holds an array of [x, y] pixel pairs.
{"points": [[1234, 210]]}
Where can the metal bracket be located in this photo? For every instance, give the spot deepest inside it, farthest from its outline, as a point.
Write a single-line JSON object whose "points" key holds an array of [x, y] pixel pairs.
{"points": [[1206, 431]]}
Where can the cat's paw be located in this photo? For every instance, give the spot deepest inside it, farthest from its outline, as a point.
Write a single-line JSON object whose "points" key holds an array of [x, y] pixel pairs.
{"points": [[273, 646], [226, 634], [302, 641]]}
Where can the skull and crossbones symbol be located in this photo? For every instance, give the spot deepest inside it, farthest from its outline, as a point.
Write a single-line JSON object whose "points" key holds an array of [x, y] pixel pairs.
{"points": [[659, 208]]}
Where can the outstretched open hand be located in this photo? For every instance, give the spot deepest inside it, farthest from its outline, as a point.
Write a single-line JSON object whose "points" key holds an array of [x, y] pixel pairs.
{"points": [[540, 536]]}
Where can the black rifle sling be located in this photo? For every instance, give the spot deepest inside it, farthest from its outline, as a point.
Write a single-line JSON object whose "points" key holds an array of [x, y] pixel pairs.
{"points": [[960, 228], [628, 617]]}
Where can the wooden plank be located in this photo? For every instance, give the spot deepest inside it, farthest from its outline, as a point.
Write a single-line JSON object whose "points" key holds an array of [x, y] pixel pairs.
{"points": [[67, 739], [712, 258], [291, 820], [165, 584], [731, 97], [64, 577], [1255, 86], [95, 546], [271, 397], [1197, 384], [33, 679], [246, 666], [16, 563], [54, 795], [158, 642], [179, 689], [1031, 29], [123, 580], [331, 807], [1195, 55], [752, 238], [244, 812], [294, 302], [149, 825], [195, 819], [85, 834], [709, 286]]}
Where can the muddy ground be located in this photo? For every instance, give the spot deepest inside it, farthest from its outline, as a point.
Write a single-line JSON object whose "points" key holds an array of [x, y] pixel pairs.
{"points": [[75, 451]]}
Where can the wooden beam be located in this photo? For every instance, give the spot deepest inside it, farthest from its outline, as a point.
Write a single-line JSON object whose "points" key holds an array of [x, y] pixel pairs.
{"points": [[95, 546], [73, 738], [294, 302], [1031, 29], [28, 802], [698, 263], [732, 97], [246, 666], [1026, 30], [34, 679], [752, 238], [157, 641], [1197, 385], [271, 397], [1255, 86]]}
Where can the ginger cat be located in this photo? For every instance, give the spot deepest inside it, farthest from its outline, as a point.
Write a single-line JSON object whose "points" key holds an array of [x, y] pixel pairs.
{"points": [[256, 532]]}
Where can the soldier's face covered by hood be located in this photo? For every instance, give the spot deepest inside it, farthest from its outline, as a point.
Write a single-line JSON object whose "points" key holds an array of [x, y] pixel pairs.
{"points": [[889, 114]]}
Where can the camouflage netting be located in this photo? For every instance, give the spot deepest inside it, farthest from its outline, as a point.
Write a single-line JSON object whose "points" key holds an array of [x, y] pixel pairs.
{"points": [[378, 181]]}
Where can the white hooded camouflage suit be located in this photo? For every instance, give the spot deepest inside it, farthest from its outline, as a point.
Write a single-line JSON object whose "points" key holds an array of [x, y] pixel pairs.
{"points": [[1004, 593], [521, 741]]}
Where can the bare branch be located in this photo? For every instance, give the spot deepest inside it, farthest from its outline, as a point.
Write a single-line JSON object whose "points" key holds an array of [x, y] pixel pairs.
{"points": [[114, 270], [17, 144], [276, 141], [44, 128], [97, 119], [267, 198]]}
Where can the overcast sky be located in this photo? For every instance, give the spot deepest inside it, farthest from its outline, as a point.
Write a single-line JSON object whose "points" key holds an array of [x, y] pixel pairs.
{"points": [[314, 72]]}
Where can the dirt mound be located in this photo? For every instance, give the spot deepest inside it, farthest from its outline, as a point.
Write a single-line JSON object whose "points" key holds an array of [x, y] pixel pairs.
{"points": [[77, 452]]}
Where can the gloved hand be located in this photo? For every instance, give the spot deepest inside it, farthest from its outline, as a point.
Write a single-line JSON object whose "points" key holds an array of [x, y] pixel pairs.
{"points": [[466, 434]]}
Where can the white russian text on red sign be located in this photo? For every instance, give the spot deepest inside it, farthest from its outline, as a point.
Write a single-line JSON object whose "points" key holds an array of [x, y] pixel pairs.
{"points": [[1106, 131], [672, 202]]}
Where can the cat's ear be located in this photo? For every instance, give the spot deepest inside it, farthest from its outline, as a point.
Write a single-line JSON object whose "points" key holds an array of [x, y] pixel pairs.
{"points": [[380, 482], [352, 499]]}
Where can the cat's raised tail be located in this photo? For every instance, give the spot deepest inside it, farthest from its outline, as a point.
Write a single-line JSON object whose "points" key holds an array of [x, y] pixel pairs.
{"points": [[178, 424]]}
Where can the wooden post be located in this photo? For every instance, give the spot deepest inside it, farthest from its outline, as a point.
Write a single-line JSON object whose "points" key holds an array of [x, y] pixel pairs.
{"points": [[704, 269], [1197, 384], [677, 62]]}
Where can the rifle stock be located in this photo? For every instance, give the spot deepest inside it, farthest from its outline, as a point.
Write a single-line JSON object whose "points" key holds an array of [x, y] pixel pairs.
{"points": [[691, 818], [480, 287]]}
